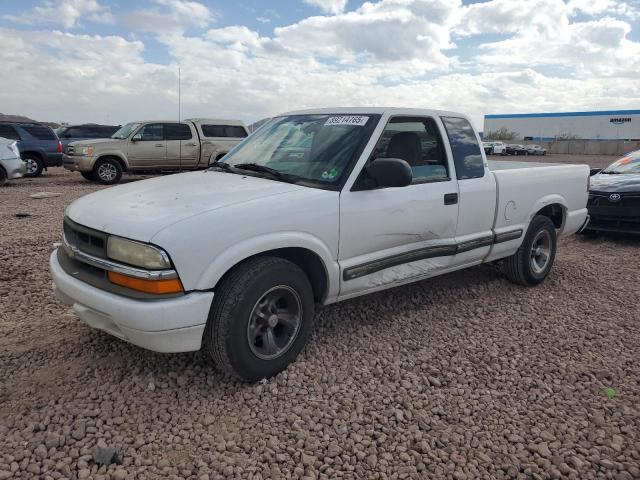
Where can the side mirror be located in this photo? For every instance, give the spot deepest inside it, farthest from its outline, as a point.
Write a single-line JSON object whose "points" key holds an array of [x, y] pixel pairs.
{"points": [[390, 172], [137, 137], [593, 171]]}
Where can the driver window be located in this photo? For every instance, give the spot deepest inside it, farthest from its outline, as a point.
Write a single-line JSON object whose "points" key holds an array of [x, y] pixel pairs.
{"points": [[151, 132], [417, 141]]}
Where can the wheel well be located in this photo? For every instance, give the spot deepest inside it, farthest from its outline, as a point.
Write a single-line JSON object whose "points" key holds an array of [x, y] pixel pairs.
{"points": [[38, 155], [3, 171], [308, 261], [555, 212], [219, 156], [117, 159]]}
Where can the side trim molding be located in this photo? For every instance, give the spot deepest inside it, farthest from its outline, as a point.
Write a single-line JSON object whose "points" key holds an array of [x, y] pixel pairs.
{"points": [[368, 268]]}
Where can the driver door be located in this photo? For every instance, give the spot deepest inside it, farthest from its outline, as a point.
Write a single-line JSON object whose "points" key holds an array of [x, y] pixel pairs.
{"points": [[148, 148], [396, 235]]}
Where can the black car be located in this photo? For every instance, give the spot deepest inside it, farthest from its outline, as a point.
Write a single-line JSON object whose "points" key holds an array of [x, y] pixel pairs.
{"points": [[38, 144], [87, 131], [614, 197], [513, 149]]}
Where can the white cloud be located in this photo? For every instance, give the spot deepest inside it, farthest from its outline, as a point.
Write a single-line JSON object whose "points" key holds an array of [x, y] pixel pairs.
{"points": [[329, 6], [171, 16], [391, 52], [67, 13], [387, 31]]}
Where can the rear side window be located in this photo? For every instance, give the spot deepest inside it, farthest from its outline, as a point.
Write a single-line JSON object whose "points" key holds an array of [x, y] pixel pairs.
{"points": [[234, 131], [7, 131], [464, 146], [213, 130], [177, 131], [40, 132]]}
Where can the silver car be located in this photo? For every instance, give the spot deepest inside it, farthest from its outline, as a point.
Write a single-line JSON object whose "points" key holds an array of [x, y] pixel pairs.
{"points": [[11, 165]]}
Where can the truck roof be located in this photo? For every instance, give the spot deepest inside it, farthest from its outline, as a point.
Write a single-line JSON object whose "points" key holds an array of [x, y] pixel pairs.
{"points": [[216, 121], [375, 110]]}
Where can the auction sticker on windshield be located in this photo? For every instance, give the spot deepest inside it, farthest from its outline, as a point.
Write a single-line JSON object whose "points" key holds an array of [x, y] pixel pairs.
{"points": [[356, 120]]}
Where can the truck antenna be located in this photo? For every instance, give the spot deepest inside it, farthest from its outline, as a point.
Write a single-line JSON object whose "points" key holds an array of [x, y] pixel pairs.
{"points": [[179, 81]]}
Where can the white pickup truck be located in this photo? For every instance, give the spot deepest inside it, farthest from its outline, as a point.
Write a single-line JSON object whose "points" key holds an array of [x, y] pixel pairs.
{"points": [[315, 207]]}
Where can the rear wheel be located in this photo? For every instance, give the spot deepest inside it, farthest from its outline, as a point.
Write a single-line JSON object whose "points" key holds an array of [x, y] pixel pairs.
{"points": [[532, 263], [107, 171], [3, 176], [261, 318], [34, 165]]}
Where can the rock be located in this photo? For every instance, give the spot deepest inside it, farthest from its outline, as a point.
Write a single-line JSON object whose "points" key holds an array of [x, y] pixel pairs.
{"points": [[40, 195], [372, 461], [333, 450], [543, 449], [119, 474], [104, 455], [41, 452], [208, 419]]}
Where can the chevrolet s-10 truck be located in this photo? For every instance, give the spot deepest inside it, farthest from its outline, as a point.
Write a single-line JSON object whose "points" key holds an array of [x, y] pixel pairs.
{"points": [[315, 207]]}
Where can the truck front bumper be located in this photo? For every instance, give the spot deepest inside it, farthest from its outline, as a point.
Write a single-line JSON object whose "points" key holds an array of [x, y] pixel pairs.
{"points": [[78, 163], [166, 325]]}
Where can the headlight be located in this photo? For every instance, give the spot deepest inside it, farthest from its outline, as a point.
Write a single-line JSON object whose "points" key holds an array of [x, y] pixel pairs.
{"points": [[88, 151], [138, 254]]}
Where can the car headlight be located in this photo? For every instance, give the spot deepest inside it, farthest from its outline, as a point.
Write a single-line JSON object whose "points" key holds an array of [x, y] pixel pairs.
{"points": [[88, 150], [138, 254]]}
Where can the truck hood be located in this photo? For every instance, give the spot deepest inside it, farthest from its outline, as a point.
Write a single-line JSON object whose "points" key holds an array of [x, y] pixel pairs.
{"points": [[619, 183], [140, 209], [97, 142]]}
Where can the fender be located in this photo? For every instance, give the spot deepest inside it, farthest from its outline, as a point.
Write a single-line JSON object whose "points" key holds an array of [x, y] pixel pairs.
{"points": [[112, 153], [549, 200], [235, 254]]}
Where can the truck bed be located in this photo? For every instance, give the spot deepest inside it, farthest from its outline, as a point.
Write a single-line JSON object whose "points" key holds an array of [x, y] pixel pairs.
{"points": [[495, 165]]}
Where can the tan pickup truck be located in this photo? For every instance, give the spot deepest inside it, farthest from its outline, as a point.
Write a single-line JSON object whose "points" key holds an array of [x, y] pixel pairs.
{"points": [[154, 146]]}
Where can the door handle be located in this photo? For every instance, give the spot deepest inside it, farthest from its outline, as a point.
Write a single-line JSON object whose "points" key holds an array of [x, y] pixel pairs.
{"points": [[450, 198], [159, 145], [190, 144]]}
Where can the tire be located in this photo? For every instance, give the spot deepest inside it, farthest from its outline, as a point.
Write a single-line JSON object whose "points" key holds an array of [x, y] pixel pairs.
{"points": [[237, 332], [107, 171], [3, 176], [88, 176], [34, 165], [525, 268]]}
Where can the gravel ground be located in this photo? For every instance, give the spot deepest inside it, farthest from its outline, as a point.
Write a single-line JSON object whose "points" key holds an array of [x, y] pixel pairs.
{"points": [[465, 376]]}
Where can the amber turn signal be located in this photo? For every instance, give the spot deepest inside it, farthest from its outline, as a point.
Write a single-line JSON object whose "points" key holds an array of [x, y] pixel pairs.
{"points": [[158, 287]]}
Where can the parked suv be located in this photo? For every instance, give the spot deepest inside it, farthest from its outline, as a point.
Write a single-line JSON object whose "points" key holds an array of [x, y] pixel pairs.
{"points": [[87, 131], [38, 144], [154, 146]]}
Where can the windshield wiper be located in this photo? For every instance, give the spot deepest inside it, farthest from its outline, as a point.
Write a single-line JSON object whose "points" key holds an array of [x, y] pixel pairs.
{"points": [[221, 165], [254, 167], [611, 172]]}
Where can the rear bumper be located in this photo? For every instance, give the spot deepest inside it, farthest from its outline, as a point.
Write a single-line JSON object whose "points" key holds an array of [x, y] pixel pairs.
{"points": [[14, 167], [53, 160], [166, 325]]}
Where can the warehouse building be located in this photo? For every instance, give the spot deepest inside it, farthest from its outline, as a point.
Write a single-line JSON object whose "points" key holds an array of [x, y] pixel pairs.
{"points": [[603, 125]]}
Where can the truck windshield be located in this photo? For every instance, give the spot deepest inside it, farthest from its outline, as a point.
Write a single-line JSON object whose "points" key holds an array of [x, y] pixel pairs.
{"points": [[318, 149], [124, 131], [627, 164]]}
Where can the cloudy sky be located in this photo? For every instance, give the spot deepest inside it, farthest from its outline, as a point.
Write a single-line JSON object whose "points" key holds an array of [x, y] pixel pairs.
{"points": [[116, 60]]}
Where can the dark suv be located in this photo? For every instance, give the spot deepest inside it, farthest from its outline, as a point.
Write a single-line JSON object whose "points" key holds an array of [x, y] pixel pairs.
{"points": [[38, 144], [87, 131]]}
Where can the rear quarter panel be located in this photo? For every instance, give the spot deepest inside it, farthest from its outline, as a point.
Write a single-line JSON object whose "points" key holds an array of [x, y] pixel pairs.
{"points": [[522, 192]]}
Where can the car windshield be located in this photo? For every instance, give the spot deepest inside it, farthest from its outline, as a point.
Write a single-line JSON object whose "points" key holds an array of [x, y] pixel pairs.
{"points": [[315, 149], [124, 131], [627, 164]]}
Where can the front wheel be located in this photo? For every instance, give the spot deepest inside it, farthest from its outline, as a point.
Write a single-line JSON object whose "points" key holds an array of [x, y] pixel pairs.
{"points": [[532, 263], [261, 318], [3, 176], [107, 171]]}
